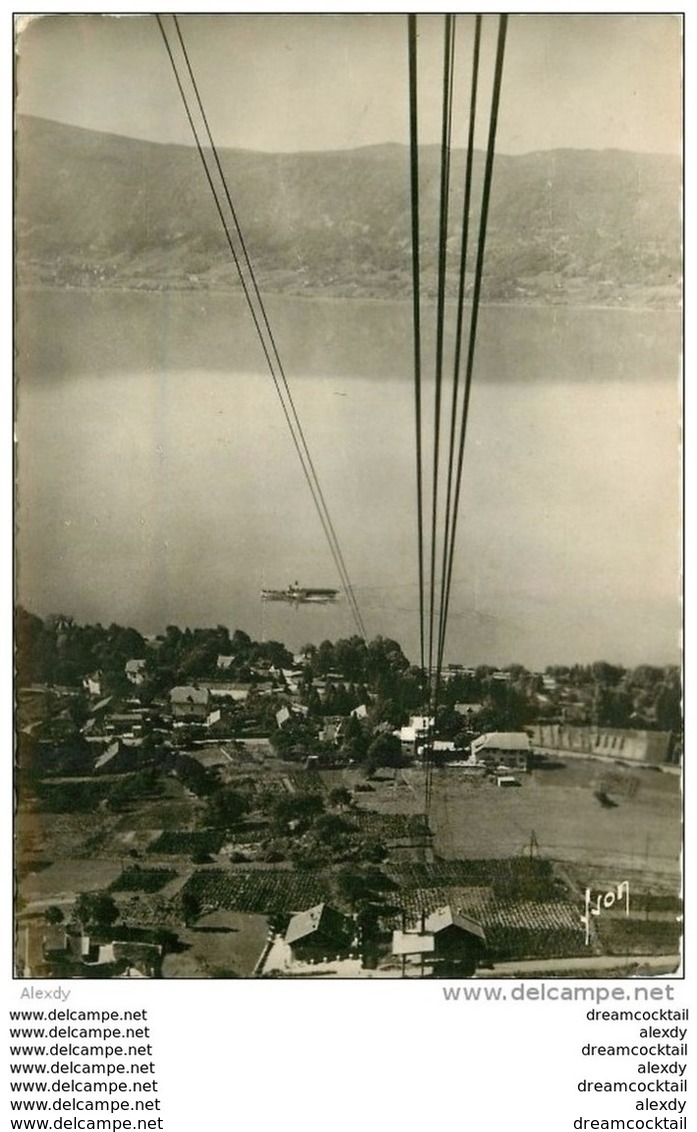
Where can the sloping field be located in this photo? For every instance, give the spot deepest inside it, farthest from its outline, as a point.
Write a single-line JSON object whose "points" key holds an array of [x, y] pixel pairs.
{"points": [[136, 879], [264, 891], [640, 829], [53, 837], [513, 877], [184, 842], [68, 877], [230, 951], [499, 894], [524, 929], [390, 826]]}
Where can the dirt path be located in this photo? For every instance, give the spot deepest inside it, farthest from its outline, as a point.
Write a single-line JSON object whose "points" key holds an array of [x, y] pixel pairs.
{"points": [[664, 964]]}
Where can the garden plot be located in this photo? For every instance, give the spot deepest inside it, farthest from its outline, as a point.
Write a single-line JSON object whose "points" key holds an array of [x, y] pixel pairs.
{"points": [[263, 891], [188, 842], [64, 879], [136, 879]]}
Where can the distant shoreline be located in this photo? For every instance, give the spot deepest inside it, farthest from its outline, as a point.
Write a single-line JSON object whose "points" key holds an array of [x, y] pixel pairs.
{"points": [[316, 297]]}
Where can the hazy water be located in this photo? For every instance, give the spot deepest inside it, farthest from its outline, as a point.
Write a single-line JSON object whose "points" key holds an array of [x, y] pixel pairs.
{"points": [[158, 482]]}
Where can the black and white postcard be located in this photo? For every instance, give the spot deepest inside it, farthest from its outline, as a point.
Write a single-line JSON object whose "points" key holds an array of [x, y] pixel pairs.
{"points": [[348, 557]]}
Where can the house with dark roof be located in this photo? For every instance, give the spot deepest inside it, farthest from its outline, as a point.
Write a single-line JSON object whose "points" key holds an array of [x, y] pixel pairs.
{"points": [[55, 940], [447, 939], [227, 689], [126, 723], [291, 711], [189, 702], [104, 953], [102, 707], [452, 930], [119, 757], [319, 932]]}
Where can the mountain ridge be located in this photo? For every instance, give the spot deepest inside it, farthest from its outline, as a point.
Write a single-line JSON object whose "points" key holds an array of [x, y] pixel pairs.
{"points": [[570, 226], [386, 145]]}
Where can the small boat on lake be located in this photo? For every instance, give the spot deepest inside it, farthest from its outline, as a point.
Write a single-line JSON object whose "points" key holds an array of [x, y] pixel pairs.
{"points": [[301, 595]]}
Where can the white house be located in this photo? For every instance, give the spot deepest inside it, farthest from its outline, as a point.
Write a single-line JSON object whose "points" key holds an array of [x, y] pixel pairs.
{"points": [[135, 671], [93, 684], [508, 748]]}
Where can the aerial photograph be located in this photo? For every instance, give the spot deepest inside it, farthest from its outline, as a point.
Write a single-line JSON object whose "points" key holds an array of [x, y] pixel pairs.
{"points": [[348, 496]]}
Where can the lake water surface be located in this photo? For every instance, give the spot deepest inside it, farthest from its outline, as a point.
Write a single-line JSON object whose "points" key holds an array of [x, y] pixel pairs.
{"points": [[158, 482]]}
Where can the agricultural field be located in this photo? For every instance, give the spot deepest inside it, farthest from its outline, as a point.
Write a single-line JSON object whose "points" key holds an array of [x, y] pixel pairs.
{"points": [[306, 781], [649, 891], [63, 880], [176, 808], [97, 829], [185, 842], [390, 827], [640, 829], [389, 792], [46, 837], [515, 929], [512, 877], [557, 815], [637, 936], [151, 909], [523, 906], [135, 879], [224, 945], [262, 891], [518, 861]]}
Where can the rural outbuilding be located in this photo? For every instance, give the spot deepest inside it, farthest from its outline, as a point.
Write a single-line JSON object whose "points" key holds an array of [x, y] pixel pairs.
{"points": [[458, 938], [189, 702], [507, 748], [319, 932]]}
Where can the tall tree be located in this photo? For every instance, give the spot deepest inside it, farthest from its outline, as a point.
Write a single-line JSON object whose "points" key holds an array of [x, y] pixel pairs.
{"points": [[95, 910]]}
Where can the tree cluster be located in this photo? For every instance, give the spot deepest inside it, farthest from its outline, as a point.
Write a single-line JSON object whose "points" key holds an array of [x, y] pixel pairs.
{"points": [[56, 651]]}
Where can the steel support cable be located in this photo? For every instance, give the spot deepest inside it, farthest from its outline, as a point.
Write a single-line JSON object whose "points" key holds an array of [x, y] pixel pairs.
{"points": [[232, 246], [446, 129], [317, 493], [268, 347], [446, 133], [416, 289], [472, 339], [464, 245], [347, 582], [486, 193]]}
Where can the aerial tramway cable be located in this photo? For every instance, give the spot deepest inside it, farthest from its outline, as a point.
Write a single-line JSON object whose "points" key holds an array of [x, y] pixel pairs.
{"points": [[416, 293], [446, 133], [479, 270], [435, 648], [315, 479], [459, 324], [257, 309]]}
